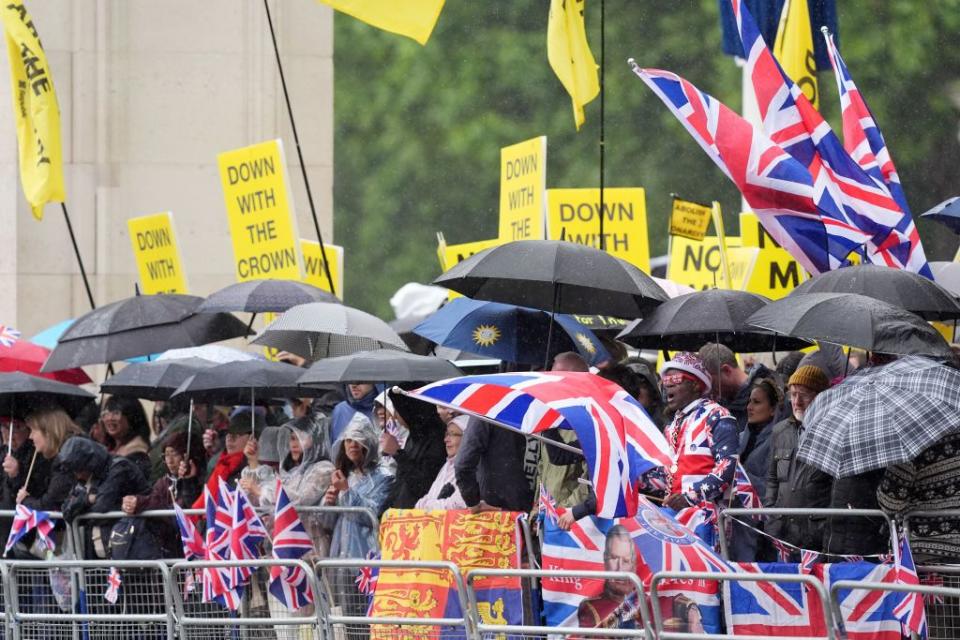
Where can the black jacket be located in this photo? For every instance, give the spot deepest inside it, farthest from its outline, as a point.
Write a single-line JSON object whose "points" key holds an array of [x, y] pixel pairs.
{"points": [[51, 496], [490, 466], [857, 536], [794, 484], [422, 455], [111, 478], [9, 487], [738, 406]]}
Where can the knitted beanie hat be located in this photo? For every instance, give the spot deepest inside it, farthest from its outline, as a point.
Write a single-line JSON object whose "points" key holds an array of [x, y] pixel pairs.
{"points": [[811, 377], [691, 364]]}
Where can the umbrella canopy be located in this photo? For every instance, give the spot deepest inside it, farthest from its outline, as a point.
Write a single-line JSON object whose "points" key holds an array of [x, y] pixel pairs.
{"points": [[20, 393], [135, 312], [28, 357], [257, 296], [605, 325], [881, 416], [556, 276], [241, 383], [947, 275], [898, 287], [379, 366], [946, 213], [854, 320], [196, 329], [321, 330], [509, 332], [154, 380], [48, 337], [211, 352], [715, 315]]}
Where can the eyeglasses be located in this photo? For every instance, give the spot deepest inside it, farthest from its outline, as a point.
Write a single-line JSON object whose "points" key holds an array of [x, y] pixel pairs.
{"points": [[453, 434], [110, 412]]}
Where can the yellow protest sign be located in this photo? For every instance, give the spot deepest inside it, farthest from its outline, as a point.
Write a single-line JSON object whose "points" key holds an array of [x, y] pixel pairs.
{"points": [[689, 219], [314, 271], [574, 215], [456, 253], [699, 265], [776, 272], [155, 250], [523, 180], [260, 210]]}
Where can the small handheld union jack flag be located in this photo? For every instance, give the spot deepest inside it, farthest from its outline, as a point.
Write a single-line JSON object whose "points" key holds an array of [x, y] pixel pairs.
{"points": [[113, 586], [289, 585], [8, 335], [910, 611], [27, 519]]}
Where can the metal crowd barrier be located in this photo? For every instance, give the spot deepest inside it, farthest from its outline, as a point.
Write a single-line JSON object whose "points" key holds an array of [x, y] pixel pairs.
{"points": [[914, 515], [857, 585], [345, 617], [527, 631], [661, 634], [726, 514]]}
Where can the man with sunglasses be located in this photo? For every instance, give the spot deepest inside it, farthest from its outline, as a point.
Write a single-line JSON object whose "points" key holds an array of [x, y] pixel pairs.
{"points": [[702, 437]]}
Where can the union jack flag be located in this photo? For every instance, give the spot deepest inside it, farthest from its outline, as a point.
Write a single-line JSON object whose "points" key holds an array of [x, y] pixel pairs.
{"points": [[189, 536], [8, 335], [745, 490], [289, 585], [367, 579], [217, 582], [807, 560], [858, 209], [246, 534], [866, 614], [618, 439], [113, 586], [779, 189], [910, 610], [865, 144], [26, 519], [772, 608]]}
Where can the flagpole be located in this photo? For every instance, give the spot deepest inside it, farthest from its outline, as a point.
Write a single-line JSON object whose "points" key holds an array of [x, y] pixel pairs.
{"points": [[76, 252], [296, 139], [603, 50]]}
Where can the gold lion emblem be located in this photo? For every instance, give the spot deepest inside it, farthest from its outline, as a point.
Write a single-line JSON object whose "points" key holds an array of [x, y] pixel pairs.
{"points": [[486, 335]]}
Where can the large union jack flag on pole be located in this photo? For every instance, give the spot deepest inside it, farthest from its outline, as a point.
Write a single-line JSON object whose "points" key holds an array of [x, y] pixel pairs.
{"points": [[779, 189], [289, 585], [618, 439], [858, 208]]}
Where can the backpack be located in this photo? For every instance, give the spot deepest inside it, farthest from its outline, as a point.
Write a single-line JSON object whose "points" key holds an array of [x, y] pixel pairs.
{"points": [[131, 539]]}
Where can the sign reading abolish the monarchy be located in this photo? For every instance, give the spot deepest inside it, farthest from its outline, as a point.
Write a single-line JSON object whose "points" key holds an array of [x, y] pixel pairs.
{"points": [[689, 219], [155, 249], [574, 216], [315, 273], [523, 180], [260, 211]]}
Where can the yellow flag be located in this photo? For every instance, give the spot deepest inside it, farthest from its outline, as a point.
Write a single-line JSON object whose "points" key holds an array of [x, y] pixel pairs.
{"points": [[569, 54], [35, 110], [412, 18], [794, 48]]}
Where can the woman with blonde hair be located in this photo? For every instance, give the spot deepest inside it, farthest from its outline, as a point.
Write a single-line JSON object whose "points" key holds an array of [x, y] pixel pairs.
{"points": [[50, 428]]}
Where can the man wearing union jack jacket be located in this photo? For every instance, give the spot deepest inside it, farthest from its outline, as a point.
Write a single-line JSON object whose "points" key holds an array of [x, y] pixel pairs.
{"points": [[702, 436]]}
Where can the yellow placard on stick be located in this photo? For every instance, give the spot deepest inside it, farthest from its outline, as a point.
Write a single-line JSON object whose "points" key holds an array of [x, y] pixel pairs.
{"points": [[456, 253], [574, 215], [260, 210], [313, 266], [776, 273], [523, 181], [689, 219], [699, 264], [155, 250]]}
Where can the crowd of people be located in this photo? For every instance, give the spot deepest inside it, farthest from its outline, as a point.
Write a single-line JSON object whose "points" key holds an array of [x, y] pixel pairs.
{"points": [[376, 448]]}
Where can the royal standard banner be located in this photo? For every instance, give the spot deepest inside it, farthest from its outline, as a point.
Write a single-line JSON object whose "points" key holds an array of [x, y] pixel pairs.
{"points": [[471, 541], [35, 110]]}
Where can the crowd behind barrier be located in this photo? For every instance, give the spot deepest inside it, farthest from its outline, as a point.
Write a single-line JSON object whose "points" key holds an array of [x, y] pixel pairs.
{"points": [[154, 601]]}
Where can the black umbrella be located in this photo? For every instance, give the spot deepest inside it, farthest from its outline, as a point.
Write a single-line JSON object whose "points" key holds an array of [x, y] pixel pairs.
{"points": [[555, 276], [154, 380], [138, 326], [20, 393], [257, 296], [242, 383], [689, 321], [380, 366], [853, 320], [900, 288]]}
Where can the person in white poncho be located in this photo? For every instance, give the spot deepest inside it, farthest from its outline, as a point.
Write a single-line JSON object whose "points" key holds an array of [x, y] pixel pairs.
{"points": [[443, 493]]}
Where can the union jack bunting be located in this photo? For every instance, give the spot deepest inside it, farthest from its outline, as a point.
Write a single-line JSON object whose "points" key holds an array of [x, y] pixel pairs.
{"points": [[189, 536], [864, 142], [772, 608], [289, 585], [618, 439], [778, 188], [217, 585], [858, 209], [246, 534], [807, 560], [113, 586], [8, 335], [910, 611], [26, 519]]}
